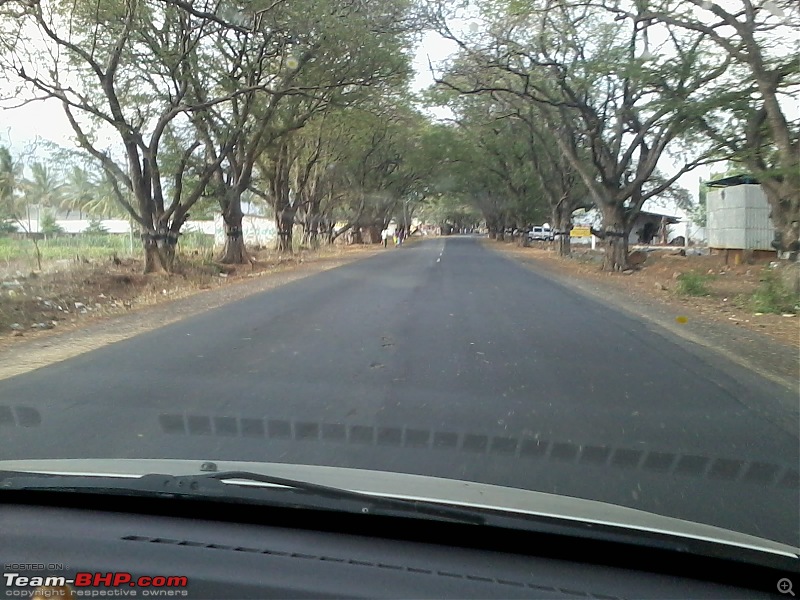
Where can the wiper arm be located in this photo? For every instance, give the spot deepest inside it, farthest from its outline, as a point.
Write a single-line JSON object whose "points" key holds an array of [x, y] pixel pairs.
{"points": [[216, 485]]}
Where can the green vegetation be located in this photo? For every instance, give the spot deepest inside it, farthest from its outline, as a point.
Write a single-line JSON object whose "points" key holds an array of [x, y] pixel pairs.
{"points": [[772, 296], [96, 227], [48, 226], [91, 247], [694, 284]]}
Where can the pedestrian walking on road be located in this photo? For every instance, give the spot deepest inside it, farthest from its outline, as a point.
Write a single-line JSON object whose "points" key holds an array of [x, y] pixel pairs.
{"points": [[385, 237]]}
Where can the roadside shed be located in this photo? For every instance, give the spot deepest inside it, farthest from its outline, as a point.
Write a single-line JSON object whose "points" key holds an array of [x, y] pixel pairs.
{"points": [[738, 221], [651, 228]]}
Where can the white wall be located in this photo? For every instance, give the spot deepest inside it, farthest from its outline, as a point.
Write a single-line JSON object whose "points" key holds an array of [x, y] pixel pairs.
{"points": [[79, 225], [689, 231], [257, 230]]}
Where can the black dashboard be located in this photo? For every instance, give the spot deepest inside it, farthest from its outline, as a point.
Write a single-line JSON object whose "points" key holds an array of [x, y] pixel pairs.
{"points": [[207, 550]]}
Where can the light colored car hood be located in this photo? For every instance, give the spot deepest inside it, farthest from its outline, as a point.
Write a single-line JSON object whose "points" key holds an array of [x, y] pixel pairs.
{"points": [[419, 487]]}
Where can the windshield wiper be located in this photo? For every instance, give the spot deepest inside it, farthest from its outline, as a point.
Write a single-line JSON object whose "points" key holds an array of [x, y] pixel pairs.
{"points": [[218, 486]]}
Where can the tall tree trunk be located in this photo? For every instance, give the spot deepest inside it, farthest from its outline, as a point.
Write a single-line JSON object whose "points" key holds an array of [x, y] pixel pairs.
{"points": [[152, 259], [374, 232], [614, 236], [311, 227], [284, 220], [167, 253], [327, 231], [156, 258], [315, 230], [564, 244], [785, 215], [234, 252], [159, 248], [562, 219], [285, 209]]}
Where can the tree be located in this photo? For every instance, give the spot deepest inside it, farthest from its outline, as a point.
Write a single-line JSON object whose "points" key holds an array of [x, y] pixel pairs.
{"points": [[308, 58], [520, 148], [382, 170], [95, 227], [317, 147], [8, 185], [79, 190], [122, 67], [43, 188], [236, 58], [593, 84], [450, 213], [48, 224], [14, 213]]}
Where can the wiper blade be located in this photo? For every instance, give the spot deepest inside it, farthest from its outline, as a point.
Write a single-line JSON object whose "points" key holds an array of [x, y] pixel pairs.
{"points": [[219, 485]]}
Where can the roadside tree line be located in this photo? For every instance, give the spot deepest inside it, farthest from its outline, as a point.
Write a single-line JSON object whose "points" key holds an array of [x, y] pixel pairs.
{"points": [[570, 103], [302, 104], [186, 107]]}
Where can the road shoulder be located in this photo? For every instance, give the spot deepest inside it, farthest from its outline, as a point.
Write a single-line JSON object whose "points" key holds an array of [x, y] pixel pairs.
{"points": [[758, 352]]}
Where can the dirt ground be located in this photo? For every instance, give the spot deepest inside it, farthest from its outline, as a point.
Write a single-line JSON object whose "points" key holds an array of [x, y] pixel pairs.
{"points": [[38, 305], [730, 286]]}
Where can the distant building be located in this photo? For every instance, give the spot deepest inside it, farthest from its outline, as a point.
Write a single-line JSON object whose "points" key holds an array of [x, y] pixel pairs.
{"points": [[652, 228], [74, 226], [649, 227], [257, 230]]}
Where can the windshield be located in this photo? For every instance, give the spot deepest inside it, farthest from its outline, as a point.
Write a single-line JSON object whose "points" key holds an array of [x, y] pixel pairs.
{"points": [[549, 246]]}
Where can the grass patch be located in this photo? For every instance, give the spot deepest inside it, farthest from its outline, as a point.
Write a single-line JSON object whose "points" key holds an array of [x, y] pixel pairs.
{"points": [[95, 247], [772, 296], [694, 284], [57, 248]]}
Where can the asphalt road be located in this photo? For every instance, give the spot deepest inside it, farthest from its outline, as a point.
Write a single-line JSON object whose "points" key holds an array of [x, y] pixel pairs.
{"points": [[440, 358]]}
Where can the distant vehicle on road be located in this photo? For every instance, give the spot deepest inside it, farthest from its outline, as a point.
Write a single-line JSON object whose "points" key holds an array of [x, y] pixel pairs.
{"points": [[541, 233]]}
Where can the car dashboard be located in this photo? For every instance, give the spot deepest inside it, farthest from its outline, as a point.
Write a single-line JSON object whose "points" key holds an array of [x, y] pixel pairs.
{"points": [[107, 546]]}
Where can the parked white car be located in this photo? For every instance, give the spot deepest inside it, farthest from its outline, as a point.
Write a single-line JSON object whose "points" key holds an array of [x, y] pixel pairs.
{"points": [[541, 233]]}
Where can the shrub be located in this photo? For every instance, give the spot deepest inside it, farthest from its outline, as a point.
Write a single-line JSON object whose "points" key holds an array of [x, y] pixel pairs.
{"points": [[7, 227], [772, 295], [96, 227], [48, 224], [693, 284]]}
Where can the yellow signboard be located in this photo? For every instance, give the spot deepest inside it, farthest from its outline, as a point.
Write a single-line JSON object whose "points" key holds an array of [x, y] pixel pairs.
{"points": [[580, 232]]}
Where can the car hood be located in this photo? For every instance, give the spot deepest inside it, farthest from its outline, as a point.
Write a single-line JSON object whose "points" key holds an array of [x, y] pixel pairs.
{"points": [[420, 487]]}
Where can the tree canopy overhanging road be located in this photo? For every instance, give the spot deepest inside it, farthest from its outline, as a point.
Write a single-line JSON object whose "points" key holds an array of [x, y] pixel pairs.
{"points": [[181, 109]]}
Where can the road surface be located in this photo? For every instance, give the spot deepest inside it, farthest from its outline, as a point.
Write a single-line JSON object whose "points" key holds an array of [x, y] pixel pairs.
{"points": [[440, 358]]}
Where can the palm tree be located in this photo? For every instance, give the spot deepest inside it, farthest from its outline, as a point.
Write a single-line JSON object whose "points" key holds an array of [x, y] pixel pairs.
{"points": [[8, 184], [79, 190], [42, 189], [104, 202]]}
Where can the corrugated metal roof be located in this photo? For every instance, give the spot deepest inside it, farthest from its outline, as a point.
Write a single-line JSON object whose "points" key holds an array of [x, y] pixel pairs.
{"points": [[733, 180], [669, 218]]}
